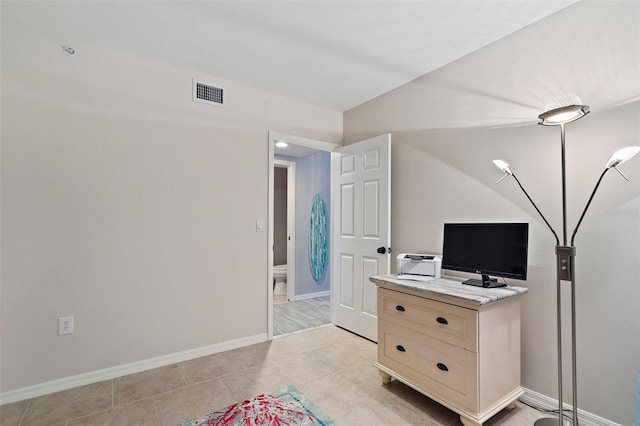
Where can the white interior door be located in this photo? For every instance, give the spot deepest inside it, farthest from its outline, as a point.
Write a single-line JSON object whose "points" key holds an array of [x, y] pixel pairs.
{"points": [[361, 222]]}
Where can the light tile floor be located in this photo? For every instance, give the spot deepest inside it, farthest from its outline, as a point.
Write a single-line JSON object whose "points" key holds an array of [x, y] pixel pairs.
{"points": [[330, 366]]}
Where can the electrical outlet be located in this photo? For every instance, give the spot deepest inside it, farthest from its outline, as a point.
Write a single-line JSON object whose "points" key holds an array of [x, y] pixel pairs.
{"points": [[65, 325]]}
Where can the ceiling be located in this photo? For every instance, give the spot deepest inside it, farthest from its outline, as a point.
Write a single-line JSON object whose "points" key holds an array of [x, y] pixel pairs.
{"points": [[336, 54], [293, 150]]}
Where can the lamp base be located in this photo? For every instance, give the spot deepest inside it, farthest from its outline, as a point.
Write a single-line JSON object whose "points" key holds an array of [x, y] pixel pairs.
{"points": [[551, 421]]}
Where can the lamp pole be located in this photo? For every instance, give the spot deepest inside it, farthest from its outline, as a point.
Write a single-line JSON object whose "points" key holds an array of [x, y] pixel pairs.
{"points": [[564, 188], [565, 257]]}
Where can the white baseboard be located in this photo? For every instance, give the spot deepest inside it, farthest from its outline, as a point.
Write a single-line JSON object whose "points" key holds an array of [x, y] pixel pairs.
{"points": [[542, 401], [126, 369], [312, 295]]}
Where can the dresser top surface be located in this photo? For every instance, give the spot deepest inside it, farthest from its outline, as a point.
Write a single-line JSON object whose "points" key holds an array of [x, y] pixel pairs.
{"points": [[452, 287]]}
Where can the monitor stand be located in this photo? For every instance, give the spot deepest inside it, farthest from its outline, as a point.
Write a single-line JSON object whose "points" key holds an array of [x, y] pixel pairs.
{"points": [[486, 282]]}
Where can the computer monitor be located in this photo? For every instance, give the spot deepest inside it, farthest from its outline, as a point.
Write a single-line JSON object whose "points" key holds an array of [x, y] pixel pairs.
{"points": [[498, 249]]}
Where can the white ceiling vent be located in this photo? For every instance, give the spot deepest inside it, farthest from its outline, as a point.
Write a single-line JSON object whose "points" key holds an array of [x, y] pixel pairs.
{"points": [[207, 93]]}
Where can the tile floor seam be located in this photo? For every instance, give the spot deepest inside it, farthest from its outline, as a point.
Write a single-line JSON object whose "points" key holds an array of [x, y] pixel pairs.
{"points": [[158, 394], [246, 370], [24, 413], [245, 367], [205, 380], [139, 398], [93, 413], [181, 373], [143, 397], [155, 408], [180, 388], [227, 388]]}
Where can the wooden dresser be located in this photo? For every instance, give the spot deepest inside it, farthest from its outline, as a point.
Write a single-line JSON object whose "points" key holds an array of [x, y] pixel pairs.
{"points": [[457, 344]]}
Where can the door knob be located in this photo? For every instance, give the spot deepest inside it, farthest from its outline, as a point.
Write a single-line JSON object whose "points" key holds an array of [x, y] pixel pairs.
{"points": [[382, 250]]}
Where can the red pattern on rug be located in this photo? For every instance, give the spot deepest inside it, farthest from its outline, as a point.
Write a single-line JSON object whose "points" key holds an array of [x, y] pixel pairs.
{"points": [[285, 407], [262, 410]]}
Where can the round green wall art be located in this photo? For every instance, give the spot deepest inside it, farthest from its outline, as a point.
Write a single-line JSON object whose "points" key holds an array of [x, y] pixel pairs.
{"points": [[318, 237]]}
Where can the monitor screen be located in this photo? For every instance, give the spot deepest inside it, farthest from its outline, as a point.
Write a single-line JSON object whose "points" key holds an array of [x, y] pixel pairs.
{"points": [[498, 249]]}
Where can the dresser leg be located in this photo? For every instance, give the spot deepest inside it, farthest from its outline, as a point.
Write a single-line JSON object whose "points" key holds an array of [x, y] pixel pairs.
{"points": [[386, 378], [466, 421]]}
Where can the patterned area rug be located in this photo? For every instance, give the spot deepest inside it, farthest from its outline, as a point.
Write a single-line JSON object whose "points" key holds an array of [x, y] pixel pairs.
{"points": [[284, 407]]}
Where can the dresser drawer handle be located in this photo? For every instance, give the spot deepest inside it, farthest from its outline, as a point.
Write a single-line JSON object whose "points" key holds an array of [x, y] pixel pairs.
{"points": [[442, 320], [401, 348], [400, 308], [442, 367]]}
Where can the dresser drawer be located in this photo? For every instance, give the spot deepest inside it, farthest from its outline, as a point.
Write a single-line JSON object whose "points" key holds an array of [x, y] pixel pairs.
{"points": [[449, 323], [440, 368]]}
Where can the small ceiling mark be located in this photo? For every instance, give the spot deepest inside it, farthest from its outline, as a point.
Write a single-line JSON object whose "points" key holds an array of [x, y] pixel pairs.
{"points": [[69, 50]]}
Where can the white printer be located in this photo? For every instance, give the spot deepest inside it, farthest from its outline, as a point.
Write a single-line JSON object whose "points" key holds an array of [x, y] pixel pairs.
{"points": [[417, 266]]}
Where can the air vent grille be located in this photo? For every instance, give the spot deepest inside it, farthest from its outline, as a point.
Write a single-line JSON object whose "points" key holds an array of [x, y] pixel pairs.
{"points": [[208, 93]]}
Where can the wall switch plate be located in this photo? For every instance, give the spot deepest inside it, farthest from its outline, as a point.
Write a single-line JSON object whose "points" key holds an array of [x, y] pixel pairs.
{"points": [[65, 325], [259, 225]]}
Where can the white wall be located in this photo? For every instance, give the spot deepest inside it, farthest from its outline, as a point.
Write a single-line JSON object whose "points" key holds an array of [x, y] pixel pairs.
{"points": [[131, 207], [447, 127]]}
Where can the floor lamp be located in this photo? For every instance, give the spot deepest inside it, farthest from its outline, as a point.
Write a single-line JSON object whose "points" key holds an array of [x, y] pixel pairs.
{"points": [[559, 113]]}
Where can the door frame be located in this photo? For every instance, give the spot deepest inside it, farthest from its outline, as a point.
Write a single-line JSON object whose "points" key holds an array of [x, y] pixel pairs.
{"points": [[291, 224], [293, 140]]}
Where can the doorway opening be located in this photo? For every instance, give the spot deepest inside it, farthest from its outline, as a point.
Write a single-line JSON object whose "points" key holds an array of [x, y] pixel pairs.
{"points": [[283, 224], [301, 157]]}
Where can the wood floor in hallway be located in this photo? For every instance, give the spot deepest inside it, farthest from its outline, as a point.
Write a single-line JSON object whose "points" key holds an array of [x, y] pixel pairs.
{"points": [[290, 317]]}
